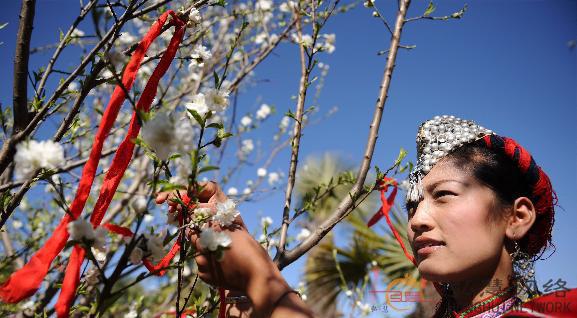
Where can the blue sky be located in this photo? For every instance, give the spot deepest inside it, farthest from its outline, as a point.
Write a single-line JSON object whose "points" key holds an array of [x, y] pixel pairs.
{"points": [[506, 64]]}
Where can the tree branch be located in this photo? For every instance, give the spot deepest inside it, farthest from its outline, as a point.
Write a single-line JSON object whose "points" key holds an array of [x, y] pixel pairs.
{"points": [[21, 57], [346, 205], [305, 72]]}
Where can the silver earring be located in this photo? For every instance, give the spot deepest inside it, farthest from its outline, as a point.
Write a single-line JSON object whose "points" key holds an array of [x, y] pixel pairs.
{"points": [[523, 274]]}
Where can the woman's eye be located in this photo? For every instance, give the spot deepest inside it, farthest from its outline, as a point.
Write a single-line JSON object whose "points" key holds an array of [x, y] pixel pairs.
{"points": [[443, 193]]}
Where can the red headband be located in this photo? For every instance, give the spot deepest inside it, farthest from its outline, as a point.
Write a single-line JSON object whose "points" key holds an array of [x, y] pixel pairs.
{"points": [[542, 194]]}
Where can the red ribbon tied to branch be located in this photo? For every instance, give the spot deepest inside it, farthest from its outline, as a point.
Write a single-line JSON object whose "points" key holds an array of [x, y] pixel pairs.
{"points": [[387, 203], [26, 281]]}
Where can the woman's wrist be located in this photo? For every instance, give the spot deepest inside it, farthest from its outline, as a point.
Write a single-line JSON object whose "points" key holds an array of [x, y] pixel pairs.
{"points": [[265, 289]]}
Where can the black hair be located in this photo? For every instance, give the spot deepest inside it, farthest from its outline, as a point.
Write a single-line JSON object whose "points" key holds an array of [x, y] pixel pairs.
{"points": [[494, 170]]}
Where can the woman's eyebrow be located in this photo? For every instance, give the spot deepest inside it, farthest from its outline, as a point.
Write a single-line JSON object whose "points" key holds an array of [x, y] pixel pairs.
{"points": [[434, 185]]}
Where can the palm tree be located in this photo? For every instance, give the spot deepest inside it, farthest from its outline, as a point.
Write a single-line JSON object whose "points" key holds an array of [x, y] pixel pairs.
{"points": [[331, 270]]}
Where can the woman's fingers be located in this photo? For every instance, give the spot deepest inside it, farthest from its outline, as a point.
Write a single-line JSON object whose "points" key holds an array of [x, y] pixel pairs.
{"points": [[161, 197]]}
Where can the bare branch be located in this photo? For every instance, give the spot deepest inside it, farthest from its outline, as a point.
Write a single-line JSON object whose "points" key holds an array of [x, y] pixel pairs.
{"points": [[8, 149], [21, 57], [346, 205], [304, 81], [61, 46]]}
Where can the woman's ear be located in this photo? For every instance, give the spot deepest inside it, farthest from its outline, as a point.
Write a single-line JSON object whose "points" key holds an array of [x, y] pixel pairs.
{"points": [[521, 218]]}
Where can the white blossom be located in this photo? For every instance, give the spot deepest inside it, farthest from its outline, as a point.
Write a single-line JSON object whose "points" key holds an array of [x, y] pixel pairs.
{"points": [[246, 121], [132, 313], [216, 99], [247, 146], [136, 255], [107, 74], [260, 38], [349, 293], [100, 238], [159, 134], [404, 185], [329, 45], [139, 204], [32, 155], [99, 254], [237, 56], [127, 39], [261, 172], [273, 178], [92, 276], [226, 212], [303, 234], [73, 86], [148, 218], [288, 6], [246, 191], [198, 104], [28, 305], [201, 53], [306, 40], [264, 5], [212, 240], [265, 221], [155, 248], [284, 123], [194, 16], [76, 33], [16, 224], [263, 112], [232, 191], [80, 229]]}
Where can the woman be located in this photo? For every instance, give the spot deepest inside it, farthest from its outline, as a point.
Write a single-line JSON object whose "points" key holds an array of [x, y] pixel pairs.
{"points": [[480, 212]]}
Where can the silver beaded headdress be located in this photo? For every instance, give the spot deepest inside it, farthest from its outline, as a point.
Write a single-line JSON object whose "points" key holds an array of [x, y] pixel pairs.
{"points": [[436, 138]]}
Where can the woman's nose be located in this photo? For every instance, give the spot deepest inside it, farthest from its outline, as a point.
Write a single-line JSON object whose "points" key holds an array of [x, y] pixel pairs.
{"points": [[421, 220]]}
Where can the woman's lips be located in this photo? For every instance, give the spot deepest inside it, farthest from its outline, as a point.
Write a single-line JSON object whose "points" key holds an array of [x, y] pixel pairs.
{"points": [[428, 250], [426, 246]]}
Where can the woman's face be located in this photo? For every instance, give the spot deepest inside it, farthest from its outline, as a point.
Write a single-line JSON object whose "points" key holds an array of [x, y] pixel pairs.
{"points": [[455, 231]]}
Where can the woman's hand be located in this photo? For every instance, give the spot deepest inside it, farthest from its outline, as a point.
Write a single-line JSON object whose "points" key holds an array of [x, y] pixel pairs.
{"points": [[245, 265]]}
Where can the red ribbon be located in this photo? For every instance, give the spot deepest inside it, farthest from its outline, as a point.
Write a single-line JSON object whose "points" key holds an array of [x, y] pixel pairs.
{"points": [[25, 282], [387, 203]]}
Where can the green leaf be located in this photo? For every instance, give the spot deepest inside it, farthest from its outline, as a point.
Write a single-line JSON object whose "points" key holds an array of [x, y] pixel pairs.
{"points": [[401, 156], [171, 187], [197, 117], [207, 168], [174, 156], [430, 9], [291, 115], [215, 125], [216, 80], [222, 134]]}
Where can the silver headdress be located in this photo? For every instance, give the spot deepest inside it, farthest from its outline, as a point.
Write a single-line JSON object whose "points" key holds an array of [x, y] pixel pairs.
{"points": [[436, 138]]}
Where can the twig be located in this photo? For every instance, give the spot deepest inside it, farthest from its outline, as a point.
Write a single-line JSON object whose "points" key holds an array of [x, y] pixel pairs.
{"points": [[345, 206], [61, 46]]}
